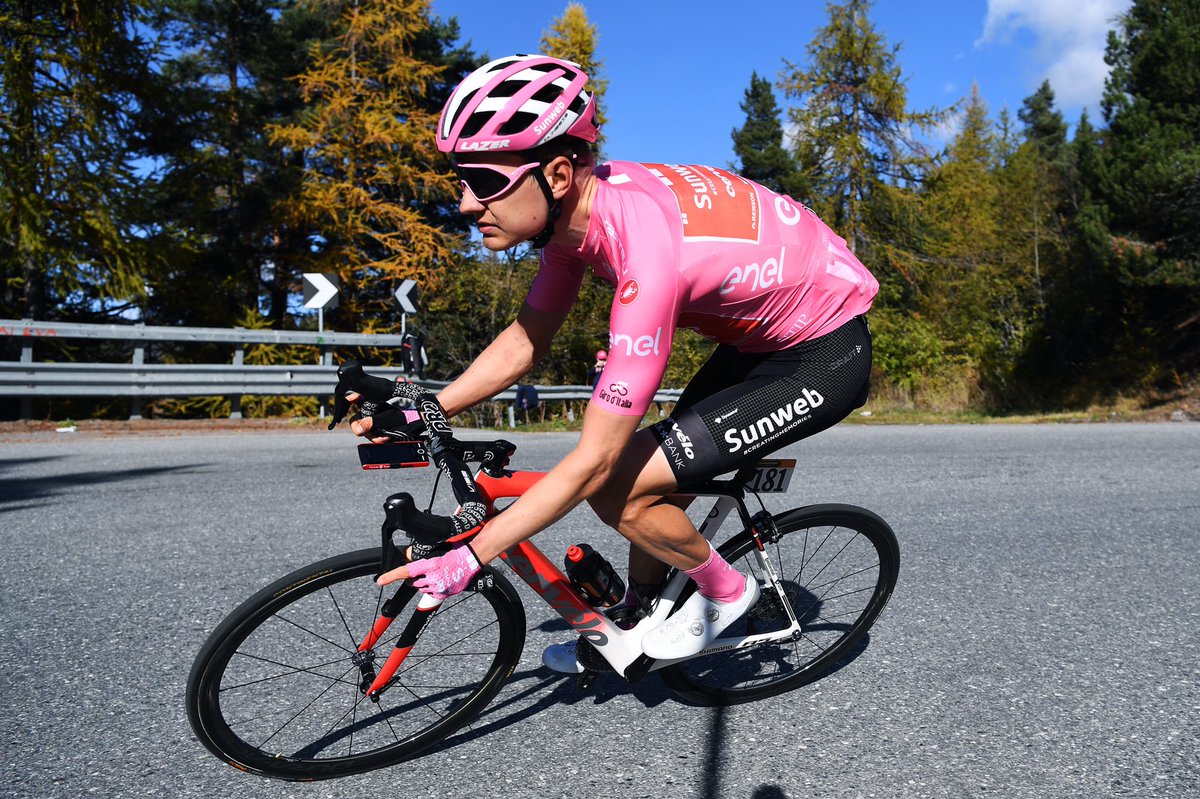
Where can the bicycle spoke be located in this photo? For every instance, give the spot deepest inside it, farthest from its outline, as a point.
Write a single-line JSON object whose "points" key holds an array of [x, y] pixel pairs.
{"points": [[342, 616], [829, 566], [299, 712], [293, 671], [281, 692], [313, 634]]}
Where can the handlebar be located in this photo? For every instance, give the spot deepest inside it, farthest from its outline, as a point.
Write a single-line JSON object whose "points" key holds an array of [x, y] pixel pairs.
{"points": [[401, 510]]}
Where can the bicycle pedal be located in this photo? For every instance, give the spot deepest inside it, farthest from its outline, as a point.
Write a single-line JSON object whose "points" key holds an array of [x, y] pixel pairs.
{"points": [[591, 660]]}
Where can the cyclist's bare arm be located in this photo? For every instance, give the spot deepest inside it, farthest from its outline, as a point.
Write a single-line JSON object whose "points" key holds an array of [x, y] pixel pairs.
{"points": [[513, 353], [579, 475], [506, 360]]}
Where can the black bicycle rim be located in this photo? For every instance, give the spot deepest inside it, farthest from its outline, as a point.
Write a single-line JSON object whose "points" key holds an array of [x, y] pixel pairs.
{"points": [[276, 688], [838, 564]]}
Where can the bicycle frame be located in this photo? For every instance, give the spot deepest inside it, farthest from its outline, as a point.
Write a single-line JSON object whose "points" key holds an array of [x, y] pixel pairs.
{"points": [[622, 648]]}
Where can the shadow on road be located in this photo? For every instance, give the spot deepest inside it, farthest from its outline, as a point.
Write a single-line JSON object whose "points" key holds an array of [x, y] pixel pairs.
{"points": [[23, 489]]}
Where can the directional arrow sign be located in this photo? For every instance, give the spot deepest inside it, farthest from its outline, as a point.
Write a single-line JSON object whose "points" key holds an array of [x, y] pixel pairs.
{"points": [[406, 295], [320, 291]]}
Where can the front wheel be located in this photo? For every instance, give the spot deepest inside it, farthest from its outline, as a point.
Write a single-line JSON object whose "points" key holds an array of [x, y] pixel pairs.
{"points": [[837, 565], [277, 688]]}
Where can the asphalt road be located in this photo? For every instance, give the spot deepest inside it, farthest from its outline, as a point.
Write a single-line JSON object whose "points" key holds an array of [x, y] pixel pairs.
{"points": [[1042, 641]]}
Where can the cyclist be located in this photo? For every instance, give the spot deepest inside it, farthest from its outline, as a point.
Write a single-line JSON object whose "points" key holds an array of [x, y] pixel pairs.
{"points": [[684, 246], [597, 369]]}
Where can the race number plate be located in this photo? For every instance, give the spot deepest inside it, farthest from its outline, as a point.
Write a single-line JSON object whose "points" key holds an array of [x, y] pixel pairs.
{"points": [[772, 476]]}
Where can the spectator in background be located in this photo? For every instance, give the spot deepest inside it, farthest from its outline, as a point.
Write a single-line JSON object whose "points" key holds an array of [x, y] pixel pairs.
{"points": [[597, 368]]}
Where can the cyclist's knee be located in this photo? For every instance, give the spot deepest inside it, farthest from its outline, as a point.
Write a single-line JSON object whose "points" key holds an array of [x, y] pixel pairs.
{"points": [[607, 507]]}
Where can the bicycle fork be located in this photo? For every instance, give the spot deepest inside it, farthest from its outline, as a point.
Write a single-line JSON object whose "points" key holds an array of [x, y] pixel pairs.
{"points": [[372, 684]]}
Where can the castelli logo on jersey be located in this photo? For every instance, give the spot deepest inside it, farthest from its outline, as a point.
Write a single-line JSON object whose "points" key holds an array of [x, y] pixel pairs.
{"points": [[628, 292], [776, 421]]}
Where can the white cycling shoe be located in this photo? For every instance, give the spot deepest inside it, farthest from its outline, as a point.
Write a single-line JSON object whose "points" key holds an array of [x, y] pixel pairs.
{"points": [[563, 658], [697, 624]]}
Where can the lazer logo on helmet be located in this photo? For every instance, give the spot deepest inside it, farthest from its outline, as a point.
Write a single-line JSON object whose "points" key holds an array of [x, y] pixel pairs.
{"points": [[640, 346], [775, 421], [495, 144], [541, 127]]}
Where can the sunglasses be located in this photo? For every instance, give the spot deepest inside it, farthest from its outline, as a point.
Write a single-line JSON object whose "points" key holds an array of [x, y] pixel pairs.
{"points": [[486, 182]]}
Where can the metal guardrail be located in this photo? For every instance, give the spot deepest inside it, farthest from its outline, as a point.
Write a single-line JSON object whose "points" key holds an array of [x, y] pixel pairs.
{"points": [[31, 331], [139, 380], [169, 380]]}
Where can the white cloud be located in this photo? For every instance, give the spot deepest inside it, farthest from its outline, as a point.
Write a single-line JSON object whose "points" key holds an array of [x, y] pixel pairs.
{"points": [[947, 130], [1069, 40]]}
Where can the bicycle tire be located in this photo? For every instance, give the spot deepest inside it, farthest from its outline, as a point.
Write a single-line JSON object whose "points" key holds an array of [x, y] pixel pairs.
{"points": [[828, 557], [274, 690]]}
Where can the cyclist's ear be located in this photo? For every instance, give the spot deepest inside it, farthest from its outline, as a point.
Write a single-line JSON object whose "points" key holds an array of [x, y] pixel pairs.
{"points": [[560, 175]]}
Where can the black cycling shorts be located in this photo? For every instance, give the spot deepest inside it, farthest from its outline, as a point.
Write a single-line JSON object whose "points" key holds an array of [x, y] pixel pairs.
{"points": [[742, 405]]}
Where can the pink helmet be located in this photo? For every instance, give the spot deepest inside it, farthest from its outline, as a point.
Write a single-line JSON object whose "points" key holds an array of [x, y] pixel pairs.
{"points": [[601, 355], [517, 103]]}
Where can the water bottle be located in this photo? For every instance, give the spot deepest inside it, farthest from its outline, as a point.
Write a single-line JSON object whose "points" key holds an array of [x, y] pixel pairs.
{"points": [[593, 576]]}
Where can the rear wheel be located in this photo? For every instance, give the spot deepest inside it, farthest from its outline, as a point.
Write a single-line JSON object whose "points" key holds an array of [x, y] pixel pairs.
{"points": [[838, 565], [276, 689]]}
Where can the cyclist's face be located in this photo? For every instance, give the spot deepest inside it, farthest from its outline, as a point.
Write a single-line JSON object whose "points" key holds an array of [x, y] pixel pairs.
{"points": [[500, 191]]}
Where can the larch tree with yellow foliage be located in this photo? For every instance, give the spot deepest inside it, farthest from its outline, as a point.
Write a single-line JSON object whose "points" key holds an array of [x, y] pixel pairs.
{"points": [[574, 38], [372, 169]]}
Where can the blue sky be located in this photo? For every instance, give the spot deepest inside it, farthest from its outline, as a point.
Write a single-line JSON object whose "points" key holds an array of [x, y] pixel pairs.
{"points": [[678, 70]]}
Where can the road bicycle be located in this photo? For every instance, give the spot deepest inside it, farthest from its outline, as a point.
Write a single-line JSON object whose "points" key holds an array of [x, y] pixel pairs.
{"points": [[323, 673]]}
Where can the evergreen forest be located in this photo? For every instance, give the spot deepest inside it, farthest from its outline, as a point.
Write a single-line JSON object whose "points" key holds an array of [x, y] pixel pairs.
{"points": [[184, 162]]}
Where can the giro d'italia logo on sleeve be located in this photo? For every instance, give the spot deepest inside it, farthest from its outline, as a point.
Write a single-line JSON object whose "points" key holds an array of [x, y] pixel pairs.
{"points": [[616, 393], [628, 292]]}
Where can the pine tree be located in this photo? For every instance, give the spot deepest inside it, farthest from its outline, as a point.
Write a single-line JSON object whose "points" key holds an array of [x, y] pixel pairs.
{"points": [[1037, 179], [1151, 183], [69, 78], [1044, 125], [961, 201], [230, 72], [574, 38], [372, 169], [759, 145], [853, 126]]}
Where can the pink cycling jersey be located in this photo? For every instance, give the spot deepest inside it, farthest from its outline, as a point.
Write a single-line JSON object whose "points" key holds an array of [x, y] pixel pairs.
{"points": [[701, 248]]}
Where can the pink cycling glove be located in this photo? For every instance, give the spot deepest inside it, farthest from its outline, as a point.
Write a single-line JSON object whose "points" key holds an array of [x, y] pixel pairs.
{"points": [[447, 575]]}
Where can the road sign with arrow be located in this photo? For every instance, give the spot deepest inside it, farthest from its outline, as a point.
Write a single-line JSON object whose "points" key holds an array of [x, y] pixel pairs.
{"points": [[406, 295], [320, 290]]}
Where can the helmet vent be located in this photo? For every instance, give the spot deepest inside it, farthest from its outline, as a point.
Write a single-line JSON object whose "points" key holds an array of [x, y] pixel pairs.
{"points": [[518, 122], [476, 123], [506, 89], [548, 94]]}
